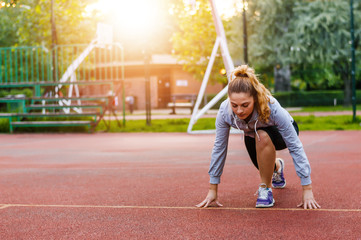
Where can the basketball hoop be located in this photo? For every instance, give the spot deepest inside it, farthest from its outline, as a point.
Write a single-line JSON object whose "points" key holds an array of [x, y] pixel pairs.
{"points": [[104, 34]]}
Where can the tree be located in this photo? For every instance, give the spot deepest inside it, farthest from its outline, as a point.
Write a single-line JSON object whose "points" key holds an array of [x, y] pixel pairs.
{"points": [[71, 24], [8, 26], [323, 36], [269, 24], [27, 22]]}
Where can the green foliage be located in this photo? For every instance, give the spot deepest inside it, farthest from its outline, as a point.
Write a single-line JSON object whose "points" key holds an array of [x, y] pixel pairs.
{"points": [[311, 36], [26, 91], [4, 125], [323, 36], [71, 25], [314, 77], [268, 24], [8, 27], [322, 32], [27, 22], [194, 41]]}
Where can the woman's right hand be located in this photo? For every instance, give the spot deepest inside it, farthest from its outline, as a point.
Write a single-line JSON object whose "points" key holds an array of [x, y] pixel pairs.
{"points": [[211, 197]]}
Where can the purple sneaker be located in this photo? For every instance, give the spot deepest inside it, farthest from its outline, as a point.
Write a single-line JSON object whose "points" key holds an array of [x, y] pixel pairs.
{"points": [[278, 180], [265, 197]]}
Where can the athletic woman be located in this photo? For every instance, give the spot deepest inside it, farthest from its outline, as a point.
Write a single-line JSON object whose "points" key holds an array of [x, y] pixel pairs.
{"points": [[267, 128]]}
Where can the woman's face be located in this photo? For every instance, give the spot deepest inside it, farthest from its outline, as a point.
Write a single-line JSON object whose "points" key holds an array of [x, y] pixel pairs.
{"points": [[242, 104]]}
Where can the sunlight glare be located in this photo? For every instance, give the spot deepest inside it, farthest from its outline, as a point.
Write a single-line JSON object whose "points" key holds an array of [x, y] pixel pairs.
{"points": [[229, 8], [130, 16]]}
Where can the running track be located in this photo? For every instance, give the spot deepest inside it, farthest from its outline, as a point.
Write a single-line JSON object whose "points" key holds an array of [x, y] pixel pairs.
{"points": [[145, 186]]}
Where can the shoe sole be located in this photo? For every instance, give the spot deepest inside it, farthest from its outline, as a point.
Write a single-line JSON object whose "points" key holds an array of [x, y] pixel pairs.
{"points": [[279, 186], [266, 206], [285, 179]]}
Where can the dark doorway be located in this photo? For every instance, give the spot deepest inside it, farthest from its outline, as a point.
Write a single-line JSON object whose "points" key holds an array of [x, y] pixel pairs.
{"points": [[163, 91]]}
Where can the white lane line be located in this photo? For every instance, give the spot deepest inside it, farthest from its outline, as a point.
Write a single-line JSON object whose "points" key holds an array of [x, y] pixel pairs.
{"points": [[2, 206]]}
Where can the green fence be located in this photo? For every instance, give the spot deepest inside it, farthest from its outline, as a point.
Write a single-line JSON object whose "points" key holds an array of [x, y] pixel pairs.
{"points": [[102, 63], [305, 98], [313, 98], [27, 66]]}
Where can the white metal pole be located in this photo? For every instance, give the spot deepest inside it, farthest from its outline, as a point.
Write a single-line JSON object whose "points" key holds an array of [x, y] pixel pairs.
{"points": [[204, 84], [228, 64], [227, 60]]}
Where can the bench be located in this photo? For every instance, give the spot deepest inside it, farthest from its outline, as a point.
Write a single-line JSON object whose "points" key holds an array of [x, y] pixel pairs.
{"points": [[60, 107], [89, 124], [93, 106], [105, 99], [182, 101], [96, 107], [20, 117], [11, 100]]}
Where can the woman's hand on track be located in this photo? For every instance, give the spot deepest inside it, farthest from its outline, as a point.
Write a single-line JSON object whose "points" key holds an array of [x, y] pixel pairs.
{"points": [[308, 201], [211, 197]]}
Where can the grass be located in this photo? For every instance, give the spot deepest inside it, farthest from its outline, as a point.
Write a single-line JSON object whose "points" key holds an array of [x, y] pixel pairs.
{"points": [[326, 109], [159, 125], [313, 123], [310, 123]]}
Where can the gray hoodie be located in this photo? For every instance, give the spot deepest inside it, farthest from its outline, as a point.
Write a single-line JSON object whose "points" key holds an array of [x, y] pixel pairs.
{"points": [[279, 117]]}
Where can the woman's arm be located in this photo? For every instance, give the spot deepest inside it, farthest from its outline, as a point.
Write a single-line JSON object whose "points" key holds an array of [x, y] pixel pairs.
{"points": [[219, 151], [283, 121]]}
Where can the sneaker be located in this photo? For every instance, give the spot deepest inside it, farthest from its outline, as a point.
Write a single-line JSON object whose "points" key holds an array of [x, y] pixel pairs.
{"points": [[265, 197], [278, 180]]}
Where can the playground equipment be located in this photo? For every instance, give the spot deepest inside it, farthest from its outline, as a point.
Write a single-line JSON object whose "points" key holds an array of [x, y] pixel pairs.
{"points": [[103, 40], [221, 42], [99, 63]]}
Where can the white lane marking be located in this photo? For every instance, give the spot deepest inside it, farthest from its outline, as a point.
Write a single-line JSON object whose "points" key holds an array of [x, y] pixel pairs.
{"points": [[2, 206]]}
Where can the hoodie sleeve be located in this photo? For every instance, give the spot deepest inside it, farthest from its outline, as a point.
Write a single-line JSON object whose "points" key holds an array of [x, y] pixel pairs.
{"points": [[283, 121], [219, 152]]}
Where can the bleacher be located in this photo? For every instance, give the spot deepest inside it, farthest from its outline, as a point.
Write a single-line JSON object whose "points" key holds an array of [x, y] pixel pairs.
{"points": [[61, 81]]}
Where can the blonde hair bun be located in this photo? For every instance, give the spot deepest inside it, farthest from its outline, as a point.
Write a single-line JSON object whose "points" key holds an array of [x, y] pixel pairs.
{"points": [[243, 71]]}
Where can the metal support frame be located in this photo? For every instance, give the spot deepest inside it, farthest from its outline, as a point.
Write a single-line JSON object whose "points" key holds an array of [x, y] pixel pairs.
{"points": [[245, 44], [148, 114], [70, 74], [353, 65], [221, 42]]}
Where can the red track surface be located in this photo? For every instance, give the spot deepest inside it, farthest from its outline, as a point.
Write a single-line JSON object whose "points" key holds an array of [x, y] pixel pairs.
{"points": [[144, 186]]}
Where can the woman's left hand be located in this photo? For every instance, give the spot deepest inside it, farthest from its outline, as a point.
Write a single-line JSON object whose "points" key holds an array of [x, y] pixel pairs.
{"points": [[308, 201]]}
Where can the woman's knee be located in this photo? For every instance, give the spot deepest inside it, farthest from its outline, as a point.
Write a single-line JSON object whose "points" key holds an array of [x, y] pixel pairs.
{"points": [[263, 140]]}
